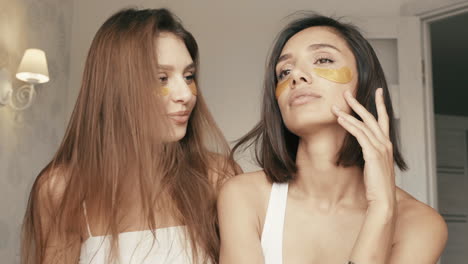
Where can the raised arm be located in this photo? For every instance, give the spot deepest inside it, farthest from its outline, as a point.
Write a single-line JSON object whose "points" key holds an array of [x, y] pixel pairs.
{"points": [[375, 242]]}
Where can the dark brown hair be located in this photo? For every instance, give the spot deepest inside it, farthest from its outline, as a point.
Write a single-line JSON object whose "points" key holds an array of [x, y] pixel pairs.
{"points": [[275, 146], [113, 152]]}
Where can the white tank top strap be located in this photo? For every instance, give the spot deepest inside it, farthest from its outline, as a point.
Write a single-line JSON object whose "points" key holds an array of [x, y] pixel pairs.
{"points": [[272, 234], [86, 219]]}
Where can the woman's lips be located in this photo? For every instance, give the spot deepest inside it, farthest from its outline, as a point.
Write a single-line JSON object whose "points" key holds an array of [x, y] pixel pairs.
{"points": [[180, 117], [303, 97]]}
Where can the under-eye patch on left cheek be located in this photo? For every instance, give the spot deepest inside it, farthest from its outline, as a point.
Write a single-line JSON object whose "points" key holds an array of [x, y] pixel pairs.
{"points": [[341, 75], [280, 87], [193, 88]]}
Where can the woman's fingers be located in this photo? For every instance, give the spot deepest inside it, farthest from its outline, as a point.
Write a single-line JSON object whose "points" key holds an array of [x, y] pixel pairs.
{"points": [[367, 117], [367, 147], [383, 119], [360, 125]]}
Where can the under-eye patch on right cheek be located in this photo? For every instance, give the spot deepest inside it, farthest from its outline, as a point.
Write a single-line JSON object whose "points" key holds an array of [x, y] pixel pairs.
{"points": [[281, 87], [164, 91]]}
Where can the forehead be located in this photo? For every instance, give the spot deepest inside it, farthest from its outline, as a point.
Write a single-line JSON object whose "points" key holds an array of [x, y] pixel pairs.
{"points": [[172, 50], [315, 35]]}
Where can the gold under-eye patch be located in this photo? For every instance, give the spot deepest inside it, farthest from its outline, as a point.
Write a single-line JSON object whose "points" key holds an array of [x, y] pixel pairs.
{"points": [[164, 91], [193, 88], [280, 87], [342, 75]]}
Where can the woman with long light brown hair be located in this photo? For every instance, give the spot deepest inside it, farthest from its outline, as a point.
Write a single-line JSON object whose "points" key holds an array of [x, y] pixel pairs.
{"points": [[136, 177]]}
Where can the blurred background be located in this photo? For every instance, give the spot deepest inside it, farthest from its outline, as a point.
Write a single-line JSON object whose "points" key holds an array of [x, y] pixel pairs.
{"points": [[422, 45]]}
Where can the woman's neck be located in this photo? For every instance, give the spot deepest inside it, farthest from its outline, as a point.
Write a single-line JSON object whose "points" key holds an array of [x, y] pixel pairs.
{"points": [[319, 178]]}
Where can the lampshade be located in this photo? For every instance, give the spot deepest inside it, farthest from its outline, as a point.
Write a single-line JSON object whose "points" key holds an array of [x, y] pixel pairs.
{"points": [[33, 67]]}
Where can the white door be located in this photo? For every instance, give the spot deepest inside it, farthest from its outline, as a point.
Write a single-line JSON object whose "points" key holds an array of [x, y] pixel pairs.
{"points": [[452, 181]]}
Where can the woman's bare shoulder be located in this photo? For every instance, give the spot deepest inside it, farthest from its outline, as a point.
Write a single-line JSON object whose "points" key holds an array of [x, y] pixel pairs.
{"points": [[409, 207], [245, 198], [51, 185], [416, 220], [248, 189], [251, 184]]}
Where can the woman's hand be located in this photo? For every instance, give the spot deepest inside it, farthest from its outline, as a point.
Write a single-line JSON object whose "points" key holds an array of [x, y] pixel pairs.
{"points": [[374, 242], [377, 149]]}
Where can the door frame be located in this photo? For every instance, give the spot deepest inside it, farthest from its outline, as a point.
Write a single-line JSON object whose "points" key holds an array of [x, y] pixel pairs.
{"points": [[427, 14]]}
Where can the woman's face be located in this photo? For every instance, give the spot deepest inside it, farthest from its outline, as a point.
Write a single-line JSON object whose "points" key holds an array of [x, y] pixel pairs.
{"points": [[313, 71], [178, 89]]}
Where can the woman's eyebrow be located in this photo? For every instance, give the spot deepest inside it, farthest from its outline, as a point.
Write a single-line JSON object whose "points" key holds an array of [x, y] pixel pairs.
{"points": [[322, 45], [312, 47], [283, 58], [191, 66], [165, 67]]}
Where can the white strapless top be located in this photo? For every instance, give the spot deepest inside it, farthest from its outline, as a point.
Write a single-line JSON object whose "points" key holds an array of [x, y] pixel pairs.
{"points": [[137, 247]]}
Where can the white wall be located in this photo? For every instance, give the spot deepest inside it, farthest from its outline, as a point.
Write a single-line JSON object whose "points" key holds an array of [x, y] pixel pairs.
{"points": [[29, 138]]}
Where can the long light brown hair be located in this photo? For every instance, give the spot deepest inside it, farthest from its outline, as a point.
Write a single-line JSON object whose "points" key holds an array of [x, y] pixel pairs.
{"points": [[113, 154]]}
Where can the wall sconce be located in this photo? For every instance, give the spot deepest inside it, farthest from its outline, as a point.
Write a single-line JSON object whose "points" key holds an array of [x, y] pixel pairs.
{"points": [[32, 70]]}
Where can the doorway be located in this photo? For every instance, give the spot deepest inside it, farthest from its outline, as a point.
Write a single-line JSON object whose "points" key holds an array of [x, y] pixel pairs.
{"points": [[448, 53]]}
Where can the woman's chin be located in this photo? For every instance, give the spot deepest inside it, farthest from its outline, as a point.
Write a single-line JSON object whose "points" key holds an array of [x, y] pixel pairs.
{"points": [[306, 126], [177, 135]]}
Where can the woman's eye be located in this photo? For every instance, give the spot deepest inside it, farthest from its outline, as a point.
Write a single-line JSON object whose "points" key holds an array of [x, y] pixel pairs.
{"points": [[163, 79], [283, 74], [323, 61], [189, 78]]}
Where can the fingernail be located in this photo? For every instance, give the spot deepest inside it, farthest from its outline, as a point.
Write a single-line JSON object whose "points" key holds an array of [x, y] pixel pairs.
{"points": [[379, 91], [348, 93], [335, 108]]}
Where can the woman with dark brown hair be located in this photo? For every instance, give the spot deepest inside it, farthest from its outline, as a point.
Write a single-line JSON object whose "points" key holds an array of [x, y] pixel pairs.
{"points": [[327, 144], [136, 177]]}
